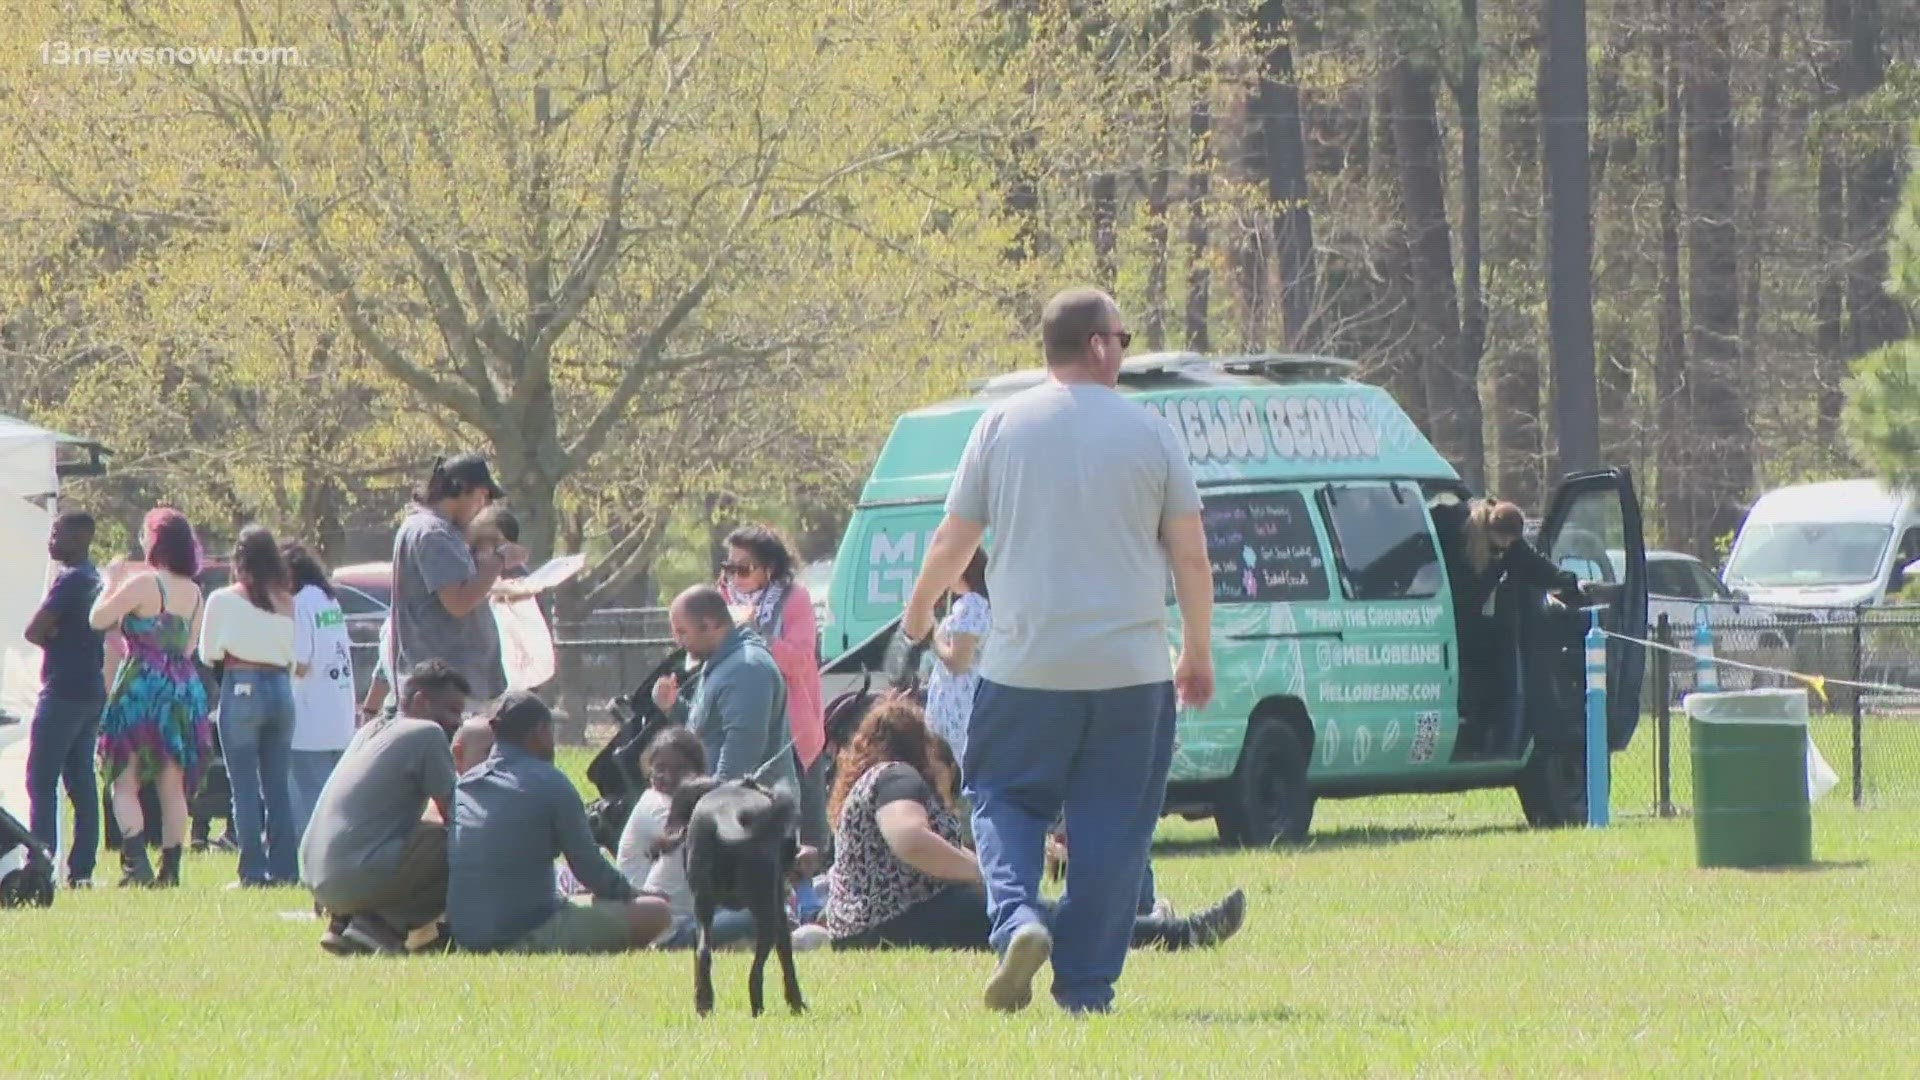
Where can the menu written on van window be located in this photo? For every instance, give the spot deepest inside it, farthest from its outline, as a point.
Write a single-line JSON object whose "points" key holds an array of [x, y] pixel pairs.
{"points": [[1263, 548]]}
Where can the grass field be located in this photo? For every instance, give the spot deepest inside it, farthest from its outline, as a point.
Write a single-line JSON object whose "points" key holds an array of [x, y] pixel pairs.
{"points": [[1458, 945]]}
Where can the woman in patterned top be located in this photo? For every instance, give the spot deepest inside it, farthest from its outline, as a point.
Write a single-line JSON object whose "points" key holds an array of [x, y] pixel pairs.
{"points": [[901, 875]]}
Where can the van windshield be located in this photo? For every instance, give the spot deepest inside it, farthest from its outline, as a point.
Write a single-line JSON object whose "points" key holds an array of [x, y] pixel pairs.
{"points": [[1809, 553]]}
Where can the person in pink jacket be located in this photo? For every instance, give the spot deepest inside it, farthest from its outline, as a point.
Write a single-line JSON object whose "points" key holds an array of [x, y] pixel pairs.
{"points": [[760, 585]]}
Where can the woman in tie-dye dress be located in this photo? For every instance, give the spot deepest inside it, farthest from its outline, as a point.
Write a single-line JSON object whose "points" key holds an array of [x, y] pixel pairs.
{"points": [[155, 729]]}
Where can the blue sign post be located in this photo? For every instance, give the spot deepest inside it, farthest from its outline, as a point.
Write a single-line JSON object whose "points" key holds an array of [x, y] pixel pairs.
{"points": [[1599, 762], [1706, 669]]}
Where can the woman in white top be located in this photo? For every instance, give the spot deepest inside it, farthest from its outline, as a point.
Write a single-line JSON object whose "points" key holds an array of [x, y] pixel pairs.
{"points": [[323, 706], [248, 628], [956, 649]]}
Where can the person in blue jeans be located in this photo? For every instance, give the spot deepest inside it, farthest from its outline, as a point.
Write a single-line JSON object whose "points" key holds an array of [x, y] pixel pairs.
{"points": [[73, 693], [248, 632], [1092, 502]]}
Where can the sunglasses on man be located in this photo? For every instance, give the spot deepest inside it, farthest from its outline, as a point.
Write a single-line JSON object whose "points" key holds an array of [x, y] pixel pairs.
{"points": [[1124, 338]]}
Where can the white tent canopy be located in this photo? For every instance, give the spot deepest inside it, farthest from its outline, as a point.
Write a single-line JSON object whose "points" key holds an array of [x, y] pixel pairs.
{"points": [[29, 480]]}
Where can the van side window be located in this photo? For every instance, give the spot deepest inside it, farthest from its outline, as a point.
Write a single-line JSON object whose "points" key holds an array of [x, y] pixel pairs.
{"points": [[1381, 541], [1263, 548]]}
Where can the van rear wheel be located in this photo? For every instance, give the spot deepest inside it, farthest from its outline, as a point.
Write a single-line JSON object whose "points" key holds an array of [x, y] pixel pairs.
{"points": [[1553, 788], [1266, 800]]}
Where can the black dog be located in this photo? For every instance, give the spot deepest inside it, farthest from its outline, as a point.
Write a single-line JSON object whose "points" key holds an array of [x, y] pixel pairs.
{"points": [[739, 837]]}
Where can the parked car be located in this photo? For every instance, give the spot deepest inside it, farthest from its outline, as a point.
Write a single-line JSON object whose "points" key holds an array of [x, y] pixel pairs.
{"points": [[1681, 588], [365, 592]]}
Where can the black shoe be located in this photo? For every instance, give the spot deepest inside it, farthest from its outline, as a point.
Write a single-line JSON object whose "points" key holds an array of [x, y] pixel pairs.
{"points": [[1219, 922], [135, 870], [169, 877], [79, 882], [371, 933]]}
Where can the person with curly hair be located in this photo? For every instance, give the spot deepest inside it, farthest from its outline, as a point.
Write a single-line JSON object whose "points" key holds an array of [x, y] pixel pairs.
{"points": [[155, 728], [902, 876]]}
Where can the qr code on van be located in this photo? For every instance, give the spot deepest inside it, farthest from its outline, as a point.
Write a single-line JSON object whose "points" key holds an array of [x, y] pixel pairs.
{"points": [[1426, 732]]}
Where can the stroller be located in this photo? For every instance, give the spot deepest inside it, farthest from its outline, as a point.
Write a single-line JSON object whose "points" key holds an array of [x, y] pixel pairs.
{"points": [[615, 771], [30, 881]]}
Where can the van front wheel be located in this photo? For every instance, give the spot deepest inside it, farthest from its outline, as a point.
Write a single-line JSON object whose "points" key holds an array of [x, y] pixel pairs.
{"points": [[1553, 788], [1266, 800]]}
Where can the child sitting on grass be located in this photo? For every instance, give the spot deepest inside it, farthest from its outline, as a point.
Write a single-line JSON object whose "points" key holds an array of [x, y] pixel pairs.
{"points": [[677, 756]]}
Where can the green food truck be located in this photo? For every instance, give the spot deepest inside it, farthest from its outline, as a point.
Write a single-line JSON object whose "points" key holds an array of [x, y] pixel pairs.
{"points": [[1336, 646]]}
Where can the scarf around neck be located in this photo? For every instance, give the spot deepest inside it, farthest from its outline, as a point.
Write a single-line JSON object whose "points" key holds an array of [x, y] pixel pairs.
{"points": [[766, 605]]}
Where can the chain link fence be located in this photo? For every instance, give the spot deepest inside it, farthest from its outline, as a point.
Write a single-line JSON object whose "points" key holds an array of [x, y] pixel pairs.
{"points": [[1862, 667]]}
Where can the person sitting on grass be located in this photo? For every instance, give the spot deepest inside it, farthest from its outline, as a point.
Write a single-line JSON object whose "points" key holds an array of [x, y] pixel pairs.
{"points": [[902, 878], [513, 815], [370, 860], [676, 757]]}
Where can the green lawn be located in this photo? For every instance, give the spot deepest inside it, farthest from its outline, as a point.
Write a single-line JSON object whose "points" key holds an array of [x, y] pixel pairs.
{"points": [[1427, 935]]}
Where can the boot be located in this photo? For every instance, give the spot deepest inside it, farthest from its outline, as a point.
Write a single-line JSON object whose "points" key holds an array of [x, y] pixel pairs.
{"points": [[169, 868], [135, 870]]}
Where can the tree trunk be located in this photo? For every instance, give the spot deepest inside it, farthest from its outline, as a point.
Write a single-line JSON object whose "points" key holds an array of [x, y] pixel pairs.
{"points": [[1453, 398], [1106, 197], [1283, 149], [1513, 242], [1159, 180], [1873, 193], [1404, 373], [1717, 393], [1618, 182], [1473, 299], [1676, 484], [1563, 114], [1830, 214], [1762, 181], [1199, 183]]}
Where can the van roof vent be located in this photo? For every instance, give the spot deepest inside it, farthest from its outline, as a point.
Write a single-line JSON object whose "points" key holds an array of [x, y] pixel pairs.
{"points": [[1158, 367]]}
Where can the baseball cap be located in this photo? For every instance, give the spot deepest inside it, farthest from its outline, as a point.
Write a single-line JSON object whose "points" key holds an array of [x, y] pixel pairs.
{"points": [[473, 472], [517, 714]]}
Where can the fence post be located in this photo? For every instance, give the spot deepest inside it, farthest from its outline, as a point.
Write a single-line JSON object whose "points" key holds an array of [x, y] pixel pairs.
{"points": [[1859, 705], [1599, 764], [1663, 716]]}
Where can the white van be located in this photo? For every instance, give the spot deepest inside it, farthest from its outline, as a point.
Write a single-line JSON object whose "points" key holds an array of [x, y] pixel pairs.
{"points": [[1839, 544]]}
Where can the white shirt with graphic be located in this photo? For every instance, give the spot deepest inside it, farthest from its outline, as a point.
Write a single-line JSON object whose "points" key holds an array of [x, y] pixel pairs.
{"points": [[323, 703]]}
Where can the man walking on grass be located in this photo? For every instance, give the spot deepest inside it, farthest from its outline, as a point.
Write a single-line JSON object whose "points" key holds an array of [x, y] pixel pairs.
{"points": [[1091, 501]]}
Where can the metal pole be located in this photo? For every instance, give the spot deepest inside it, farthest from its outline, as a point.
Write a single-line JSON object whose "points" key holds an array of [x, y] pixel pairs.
{"points": [[1599, 783], [1859, 705], [1663, 715]]}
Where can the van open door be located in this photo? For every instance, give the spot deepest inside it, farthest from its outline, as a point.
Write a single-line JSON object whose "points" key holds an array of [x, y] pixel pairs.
{"points": [[1593, 529]]}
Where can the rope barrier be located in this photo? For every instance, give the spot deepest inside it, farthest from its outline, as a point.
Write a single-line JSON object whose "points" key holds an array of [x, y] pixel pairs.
{"points": [[1817, 683]]}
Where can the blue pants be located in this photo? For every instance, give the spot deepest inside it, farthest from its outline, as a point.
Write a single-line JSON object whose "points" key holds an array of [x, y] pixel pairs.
{"points": [[730, 927], [60, 747], [307, 772], [256, 728], [1103, 755]]}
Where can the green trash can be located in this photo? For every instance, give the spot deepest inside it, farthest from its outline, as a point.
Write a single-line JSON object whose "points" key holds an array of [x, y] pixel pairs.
{"points": [[1750, 804]]}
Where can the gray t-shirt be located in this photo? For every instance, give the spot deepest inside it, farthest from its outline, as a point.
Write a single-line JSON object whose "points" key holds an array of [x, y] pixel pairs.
{"points": [[429, 554], [371, 803], [1076, 483]]}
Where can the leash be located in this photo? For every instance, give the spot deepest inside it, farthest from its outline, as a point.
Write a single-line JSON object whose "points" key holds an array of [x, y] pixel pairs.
{"points": [[1817, 683]]}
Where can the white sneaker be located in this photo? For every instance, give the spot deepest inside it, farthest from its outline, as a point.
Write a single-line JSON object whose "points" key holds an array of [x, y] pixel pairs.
{"points": [[1011, 988], [1163, 908], [810, 937]]}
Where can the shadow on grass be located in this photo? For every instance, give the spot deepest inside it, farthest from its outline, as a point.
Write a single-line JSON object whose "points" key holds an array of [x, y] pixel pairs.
{"points": [[1261, 1014], [1339, 839], [1817, 866]]}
